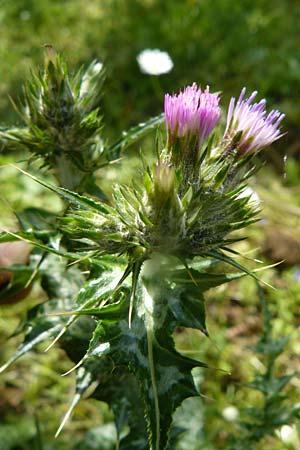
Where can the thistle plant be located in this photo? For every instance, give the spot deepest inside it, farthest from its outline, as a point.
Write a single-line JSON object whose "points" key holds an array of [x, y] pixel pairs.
{"points": [[142, 262], [275, 411]]}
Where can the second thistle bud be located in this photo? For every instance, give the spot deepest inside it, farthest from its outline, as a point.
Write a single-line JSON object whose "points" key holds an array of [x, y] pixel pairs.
{"points": [[249, 128]]}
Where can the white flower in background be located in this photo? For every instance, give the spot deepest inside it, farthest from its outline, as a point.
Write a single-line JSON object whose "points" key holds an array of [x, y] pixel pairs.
{"points": [[154, 62], [230, 413], [288, 434]]}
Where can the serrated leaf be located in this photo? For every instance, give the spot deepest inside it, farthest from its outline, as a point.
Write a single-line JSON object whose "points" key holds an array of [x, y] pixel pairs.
{"points": [[119, 388], [96, 291], [147, 348], [272, 348], [185, 295], [163, 374], [188, 308]]}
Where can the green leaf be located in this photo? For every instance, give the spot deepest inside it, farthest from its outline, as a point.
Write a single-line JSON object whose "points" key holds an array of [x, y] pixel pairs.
{"points": [[60, 282], [221, 257], [202, 280], [185, 295], [51, 248], [119, 388], [272, 348], [164, 375], [158, 371], [133, 135], [147, 348], [38, 331], [116, 310], [188, 308], [62, 286], [36, 219], [85, 377], [11, 237], [97, 290], [73, 197]]}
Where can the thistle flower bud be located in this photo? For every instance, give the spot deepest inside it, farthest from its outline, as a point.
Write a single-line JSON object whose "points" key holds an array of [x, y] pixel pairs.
{"points": [[191, 116], [164, 178], [249, 128], [163, 190]]}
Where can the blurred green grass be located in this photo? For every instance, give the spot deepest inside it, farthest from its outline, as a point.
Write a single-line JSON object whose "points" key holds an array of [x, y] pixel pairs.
{"points": [[224, 43]]}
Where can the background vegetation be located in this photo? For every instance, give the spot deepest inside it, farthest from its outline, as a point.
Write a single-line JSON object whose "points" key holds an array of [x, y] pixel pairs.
{"points": [[225, 44]]}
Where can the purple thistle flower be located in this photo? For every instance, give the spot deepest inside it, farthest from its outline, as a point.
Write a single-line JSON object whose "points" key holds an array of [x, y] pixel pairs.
{"points": [[250, 125], [191, 113]]}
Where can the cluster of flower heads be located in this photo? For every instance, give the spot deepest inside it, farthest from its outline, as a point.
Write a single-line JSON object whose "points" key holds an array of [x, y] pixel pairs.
{"points": [[194, 113]]}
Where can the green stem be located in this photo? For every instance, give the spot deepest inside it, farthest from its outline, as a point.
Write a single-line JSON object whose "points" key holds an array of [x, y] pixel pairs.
{"points": [[68, 176], [149, 271], [153, 276], [150, 339], [157, 87]]}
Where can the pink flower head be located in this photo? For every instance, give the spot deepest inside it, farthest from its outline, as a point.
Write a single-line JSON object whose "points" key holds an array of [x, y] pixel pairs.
{"points": [[256, 128], [191, 113]]}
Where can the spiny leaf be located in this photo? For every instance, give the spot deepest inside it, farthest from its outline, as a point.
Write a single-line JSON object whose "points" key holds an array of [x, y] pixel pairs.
{"points": [[73, 197], [219, 255], [133, 135], [41, 331], [202, 280], [62, 286], [147, 348], [84, 380], [9, 236], [188, 307], [96, 291]]}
